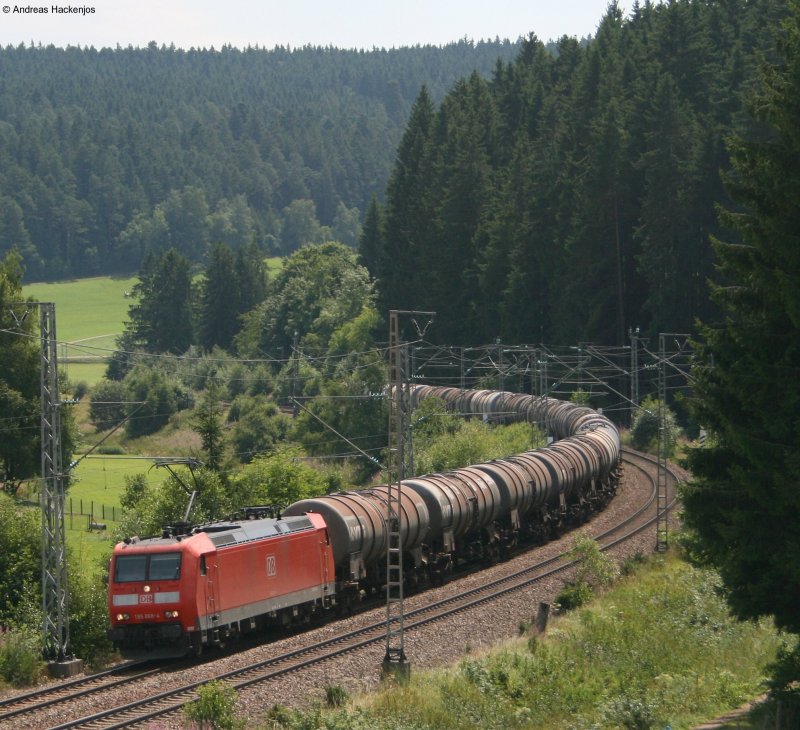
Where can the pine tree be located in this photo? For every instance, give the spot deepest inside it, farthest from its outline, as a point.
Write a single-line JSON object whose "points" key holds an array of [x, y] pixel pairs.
{"points": [[251, 279], [218, 300], [743, 500], [162, 319], [207, 423], [371, 240], [409, 224]]}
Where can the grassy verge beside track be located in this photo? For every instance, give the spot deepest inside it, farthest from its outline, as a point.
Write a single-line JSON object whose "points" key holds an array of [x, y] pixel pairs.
{"points": [[658, 650]]}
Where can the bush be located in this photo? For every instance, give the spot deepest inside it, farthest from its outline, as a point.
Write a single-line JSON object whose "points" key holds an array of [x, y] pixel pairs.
{"points": [[152, 398], [111, 451], [574, 595], [152, 507], [594, 566], [631, 713], [258, 426], [107, 407], [472, 442], [335, 695], [88, 620], [214, 707], [20, 558], [644, 429], [135, 488], [20, 657], [281, 478]]}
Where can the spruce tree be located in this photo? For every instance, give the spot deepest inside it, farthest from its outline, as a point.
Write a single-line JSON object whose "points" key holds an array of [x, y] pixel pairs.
{"points": [[409, 218], [371, 240], [743, 500], [218, 300], [162, 319]]}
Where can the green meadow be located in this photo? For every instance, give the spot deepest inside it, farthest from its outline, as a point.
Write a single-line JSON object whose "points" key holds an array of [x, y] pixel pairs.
{"points": [[93, 497], [90, 314]]}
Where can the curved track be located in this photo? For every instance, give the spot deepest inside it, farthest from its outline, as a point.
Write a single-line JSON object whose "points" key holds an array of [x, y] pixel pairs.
{"points": [[642, 517]]}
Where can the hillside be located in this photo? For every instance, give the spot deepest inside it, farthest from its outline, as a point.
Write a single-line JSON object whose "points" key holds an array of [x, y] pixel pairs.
{"points": [[573, 196], [106, 152]]}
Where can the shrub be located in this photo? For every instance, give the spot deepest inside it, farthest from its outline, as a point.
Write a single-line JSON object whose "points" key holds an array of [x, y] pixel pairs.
{"points": [[20, 657], [258, 425], [631, 713], [645, 426], [111, 450], [135, 489], [574, 595], [107, 407], [214, 707], [152, 398], [335, 695], [632, 564], [88, 619], [20, 558], [594, 566]]}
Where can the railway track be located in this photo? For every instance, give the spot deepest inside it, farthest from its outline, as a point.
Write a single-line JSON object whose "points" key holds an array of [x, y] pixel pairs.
{"points": [[169, 702], [15, 708]]}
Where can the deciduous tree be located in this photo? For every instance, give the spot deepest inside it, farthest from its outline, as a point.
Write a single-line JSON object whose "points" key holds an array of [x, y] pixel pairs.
{"points": [[19, 379]]}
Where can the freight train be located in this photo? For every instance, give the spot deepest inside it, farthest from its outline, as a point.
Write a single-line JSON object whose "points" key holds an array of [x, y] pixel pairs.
{"points": [[199, 586]]}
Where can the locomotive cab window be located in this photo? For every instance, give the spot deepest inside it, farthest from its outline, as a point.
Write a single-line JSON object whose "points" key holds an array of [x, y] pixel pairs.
{"points": [[134, 568], [165, 566], [129, 568]]}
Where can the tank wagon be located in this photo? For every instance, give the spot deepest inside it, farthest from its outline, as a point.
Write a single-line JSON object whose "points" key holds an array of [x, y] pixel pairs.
{"points": [[190, 588]]}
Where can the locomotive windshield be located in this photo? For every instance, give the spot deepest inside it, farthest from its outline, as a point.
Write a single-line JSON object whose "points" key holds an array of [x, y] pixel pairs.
{"points": [[160, 566], [166, 566]]}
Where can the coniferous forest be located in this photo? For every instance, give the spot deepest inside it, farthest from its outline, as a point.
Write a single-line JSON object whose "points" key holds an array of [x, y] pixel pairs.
{"points": [[572, 196], [108, 153], [562, 192], [648, 177]]}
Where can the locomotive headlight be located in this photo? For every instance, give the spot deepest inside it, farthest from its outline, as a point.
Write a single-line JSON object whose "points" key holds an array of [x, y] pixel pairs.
{"points": [[146, 589], [170, 614], [123, 616]]}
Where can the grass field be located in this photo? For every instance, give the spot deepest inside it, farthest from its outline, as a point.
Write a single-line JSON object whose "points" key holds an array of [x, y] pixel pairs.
{"points": [[659, 650], [94, 497], [90, 314]]}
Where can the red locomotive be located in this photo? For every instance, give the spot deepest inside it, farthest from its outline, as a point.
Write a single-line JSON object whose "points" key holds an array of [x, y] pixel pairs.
{"points": [[189, 588]]}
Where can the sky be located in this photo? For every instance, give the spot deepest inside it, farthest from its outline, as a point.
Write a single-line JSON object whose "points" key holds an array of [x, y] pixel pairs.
{"points": [[268, 23]]}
